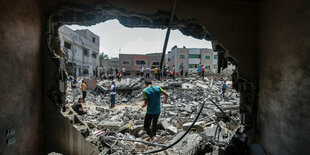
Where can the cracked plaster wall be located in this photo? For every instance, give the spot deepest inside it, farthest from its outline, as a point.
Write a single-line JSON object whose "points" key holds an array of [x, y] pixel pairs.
{"points": [[20, 77], [230, 24]]}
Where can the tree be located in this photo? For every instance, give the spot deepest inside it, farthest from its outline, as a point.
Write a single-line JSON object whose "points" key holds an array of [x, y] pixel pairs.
{"points": [[104, 60], [102, 57]]}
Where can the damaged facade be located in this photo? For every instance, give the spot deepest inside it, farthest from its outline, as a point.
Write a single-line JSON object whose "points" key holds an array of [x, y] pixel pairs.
{"points": [[82, 51]]}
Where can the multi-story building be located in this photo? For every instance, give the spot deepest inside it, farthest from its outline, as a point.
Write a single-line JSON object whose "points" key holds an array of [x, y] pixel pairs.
{"points": [[132, 62], [191, 58], [114, 62], [82, 50]]}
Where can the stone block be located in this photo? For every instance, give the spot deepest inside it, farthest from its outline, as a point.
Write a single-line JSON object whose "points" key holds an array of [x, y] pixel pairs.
{"points": [[125, 128], [172, 130], [100, 109], [188, 108], [198, 125], [110, 125], [164, 124]]}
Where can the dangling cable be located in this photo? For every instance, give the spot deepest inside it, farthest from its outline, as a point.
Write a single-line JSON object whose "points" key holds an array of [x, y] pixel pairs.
{"points": [[178, 140]]}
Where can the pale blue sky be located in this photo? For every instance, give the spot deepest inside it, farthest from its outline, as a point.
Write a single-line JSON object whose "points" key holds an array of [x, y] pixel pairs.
{"points": [[114, 37]]}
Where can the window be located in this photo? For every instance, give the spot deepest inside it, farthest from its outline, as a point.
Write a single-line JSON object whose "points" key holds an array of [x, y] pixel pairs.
{"points": [[86, 52], [193, 65], [155, 63], [94, 40], [125, 62], [215, 66], [94, 55], [197, 56], [207, 57], [67, 45], [207, 67], [140, 62], [182, 56], [215, 56]]}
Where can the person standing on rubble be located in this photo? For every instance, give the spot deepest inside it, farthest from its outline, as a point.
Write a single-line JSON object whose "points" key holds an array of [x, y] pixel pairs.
{"points": [[156, 72], [84, 86], [202, 72], [224, 89], [74, 89], [142, 71], [147, 73], [165, 72], [116, 71], [182, 70], [199, 70], [124, 71], [113, 94], [151, 96], [173, 70]]}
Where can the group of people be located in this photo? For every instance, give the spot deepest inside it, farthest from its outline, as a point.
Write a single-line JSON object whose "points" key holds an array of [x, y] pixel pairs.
{"points": [[164, 73], [112, 74]]}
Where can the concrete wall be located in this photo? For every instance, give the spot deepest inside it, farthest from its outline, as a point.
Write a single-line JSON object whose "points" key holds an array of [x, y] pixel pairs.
{"points": [[59, 135], [20, 84], [284, 96]]}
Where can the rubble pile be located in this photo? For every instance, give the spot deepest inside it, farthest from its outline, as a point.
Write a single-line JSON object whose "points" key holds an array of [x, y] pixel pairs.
{"points": [[120, 130]]}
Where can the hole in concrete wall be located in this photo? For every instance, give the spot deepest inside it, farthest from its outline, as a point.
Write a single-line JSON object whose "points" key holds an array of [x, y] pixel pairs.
{"points": [[170, 127]]}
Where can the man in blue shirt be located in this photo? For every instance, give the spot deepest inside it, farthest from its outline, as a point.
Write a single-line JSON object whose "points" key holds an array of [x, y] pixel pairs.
{"points": [[151, 95], [223, 89], [199, 70], [113, 94]]}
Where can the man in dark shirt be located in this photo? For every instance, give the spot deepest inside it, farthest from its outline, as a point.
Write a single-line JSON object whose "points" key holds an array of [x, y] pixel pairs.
{"points": [[77, 107]]}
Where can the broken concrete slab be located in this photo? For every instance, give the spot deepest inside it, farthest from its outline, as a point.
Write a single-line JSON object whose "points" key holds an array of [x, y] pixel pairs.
{"points": [[188, 145], [172, 130], [110, 125]]}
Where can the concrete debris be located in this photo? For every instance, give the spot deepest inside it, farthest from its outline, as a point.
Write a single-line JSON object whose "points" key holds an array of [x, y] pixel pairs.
{"points": [[211, 133], [109, 125], [54, 153], [189, 144]]}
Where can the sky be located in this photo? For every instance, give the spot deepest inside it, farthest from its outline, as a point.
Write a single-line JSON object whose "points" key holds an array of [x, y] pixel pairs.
{"points": [[116, 38]]}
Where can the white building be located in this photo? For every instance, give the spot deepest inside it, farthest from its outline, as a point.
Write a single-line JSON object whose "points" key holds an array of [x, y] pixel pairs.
{"points": [[82, 49], [192, 58]]}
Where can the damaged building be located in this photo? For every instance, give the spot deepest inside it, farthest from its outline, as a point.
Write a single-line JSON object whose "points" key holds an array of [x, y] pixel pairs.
{"points": [[82, 51], [266, 40], [133, 62]]}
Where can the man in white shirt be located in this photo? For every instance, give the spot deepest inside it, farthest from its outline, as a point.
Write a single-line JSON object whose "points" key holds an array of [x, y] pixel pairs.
{"points": [[113, 94], [124, 72], [142, 70]]}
